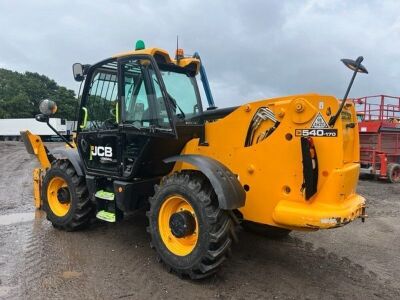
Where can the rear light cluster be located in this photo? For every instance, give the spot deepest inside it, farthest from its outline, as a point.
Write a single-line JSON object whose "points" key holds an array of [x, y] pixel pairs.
{"points": [[310, 167], [313, 154]]}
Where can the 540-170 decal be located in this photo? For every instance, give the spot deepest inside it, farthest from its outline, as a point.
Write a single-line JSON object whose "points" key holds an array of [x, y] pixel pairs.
{"points": [[319, 127], [316, 132]]}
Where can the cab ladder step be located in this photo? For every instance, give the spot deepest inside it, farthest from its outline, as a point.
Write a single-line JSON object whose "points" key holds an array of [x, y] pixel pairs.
{"points": [[109, 196], [106, 216]]}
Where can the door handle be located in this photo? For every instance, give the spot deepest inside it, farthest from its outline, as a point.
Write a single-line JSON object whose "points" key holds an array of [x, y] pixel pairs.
{"points": [[116, 112], [85, 114]]}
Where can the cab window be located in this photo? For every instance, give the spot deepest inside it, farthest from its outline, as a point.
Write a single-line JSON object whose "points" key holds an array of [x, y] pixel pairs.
{"points": [[102, 100]]}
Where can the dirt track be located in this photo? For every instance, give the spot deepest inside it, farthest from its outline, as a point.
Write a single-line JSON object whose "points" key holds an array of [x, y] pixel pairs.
{"points": [[107, 261]]}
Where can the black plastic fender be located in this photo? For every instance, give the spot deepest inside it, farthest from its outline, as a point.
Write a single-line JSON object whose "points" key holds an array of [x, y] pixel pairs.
{"points": [[73, 156], [230, 192]]}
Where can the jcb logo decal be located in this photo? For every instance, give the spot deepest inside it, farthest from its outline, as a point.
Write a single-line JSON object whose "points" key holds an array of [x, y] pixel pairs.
{"points": [[100, 151]]}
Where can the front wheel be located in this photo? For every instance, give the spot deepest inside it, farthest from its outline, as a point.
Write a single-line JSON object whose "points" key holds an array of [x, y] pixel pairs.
{"points": [[190, 233], [65, 197]]}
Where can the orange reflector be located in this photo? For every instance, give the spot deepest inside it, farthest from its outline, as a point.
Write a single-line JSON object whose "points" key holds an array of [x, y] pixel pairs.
{"points": [[179, 53], [312, 152]]}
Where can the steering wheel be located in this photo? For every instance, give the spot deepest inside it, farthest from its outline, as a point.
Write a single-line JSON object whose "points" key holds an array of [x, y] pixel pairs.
{"points": [[110, 124]]}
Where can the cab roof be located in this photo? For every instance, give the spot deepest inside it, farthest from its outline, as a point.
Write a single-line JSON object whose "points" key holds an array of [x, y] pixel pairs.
{"points": [[161, 56]]}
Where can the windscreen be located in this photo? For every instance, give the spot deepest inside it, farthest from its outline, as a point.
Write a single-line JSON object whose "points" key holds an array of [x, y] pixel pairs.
{"points": [[183, 89]]}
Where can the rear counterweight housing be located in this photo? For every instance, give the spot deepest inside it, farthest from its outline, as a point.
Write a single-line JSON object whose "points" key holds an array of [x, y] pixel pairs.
{"points": [[302, 174]]}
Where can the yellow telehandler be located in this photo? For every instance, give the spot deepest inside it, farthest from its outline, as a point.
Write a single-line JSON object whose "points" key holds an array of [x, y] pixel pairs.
{"points": [[144, 140]]}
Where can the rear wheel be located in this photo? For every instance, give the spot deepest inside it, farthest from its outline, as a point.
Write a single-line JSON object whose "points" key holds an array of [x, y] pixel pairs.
{"points": [[266, 230], [393, 172], [190, 233], [65, 197]]}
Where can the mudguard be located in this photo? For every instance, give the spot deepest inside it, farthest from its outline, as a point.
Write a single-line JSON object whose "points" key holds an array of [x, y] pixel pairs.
{"points": [[73, 156], [230, 192]]}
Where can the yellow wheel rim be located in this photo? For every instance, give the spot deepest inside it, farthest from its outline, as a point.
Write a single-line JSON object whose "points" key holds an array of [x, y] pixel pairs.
{"points": [[58, 208], [178, 246]]}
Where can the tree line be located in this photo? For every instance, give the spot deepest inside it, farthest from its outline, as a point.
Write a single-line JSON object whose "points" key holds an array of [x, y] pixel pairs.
{"points": [[21, 93]]}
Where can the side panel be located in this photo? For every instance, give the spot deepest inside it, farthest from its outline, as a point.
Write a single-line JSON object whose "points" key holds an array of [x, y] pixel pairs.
{"points": [[131, 195]]}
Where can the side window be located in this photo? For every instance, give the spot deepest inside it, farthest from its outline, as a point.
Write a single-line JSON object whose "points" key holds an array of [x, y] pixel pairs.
{"points": [[144, 104], [102, 100], [136, 102]]}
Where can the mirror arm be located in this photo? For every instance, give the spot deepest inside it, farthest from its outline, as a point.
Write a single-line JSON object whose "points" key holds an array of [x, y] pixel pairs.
{"points": [[334, 118], [59, 134]]}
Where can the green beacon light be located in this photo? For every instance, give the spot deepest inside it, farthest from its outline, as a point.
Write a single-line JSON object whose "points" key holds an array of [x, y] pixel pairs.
{"points": [[139, 45]]}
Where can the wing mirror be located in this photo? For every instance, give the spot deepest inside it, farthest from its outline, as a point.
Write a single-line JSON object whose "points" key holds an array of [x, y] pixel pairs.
{"points": [[78, 71], [47, 107]]}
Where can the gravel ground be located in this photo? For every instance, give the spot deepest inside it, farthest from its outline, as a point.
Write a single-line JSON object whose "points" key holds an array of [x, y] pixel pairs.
{"points": [[114, 261]]}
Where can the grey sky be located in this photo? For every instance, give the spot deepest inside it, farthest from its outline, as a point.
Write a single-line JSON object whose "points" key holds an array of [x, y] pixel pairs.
{"points": [[251, 49]]}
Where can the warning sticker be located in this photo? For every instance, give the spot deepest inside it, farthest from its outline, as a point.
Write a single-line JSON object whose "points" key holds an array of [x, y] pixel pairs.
{"points": [[319, 122], [319, 128]]}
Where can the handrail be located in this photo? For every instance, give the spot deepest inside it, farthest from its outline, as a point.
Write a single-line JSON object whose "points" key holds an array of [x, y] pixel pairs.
{"points": [[378, 107]]}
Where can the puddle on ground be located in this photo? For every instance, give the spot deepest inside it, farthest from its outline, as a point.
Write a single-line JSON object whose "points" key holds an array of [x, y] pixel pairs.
{"points": [[16, 218], [4, 290]]}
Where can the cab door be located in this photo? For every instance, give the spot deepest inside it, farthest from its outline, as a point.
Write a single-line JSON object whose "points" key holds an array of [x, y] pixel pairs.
{"points": [[99, 133], [147, 119]]}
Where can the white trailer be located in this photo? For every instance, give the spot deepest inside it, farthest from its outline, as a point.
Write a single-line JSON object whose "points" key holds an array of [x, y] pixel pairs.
{"points": [[10, 128], [71, 127]]}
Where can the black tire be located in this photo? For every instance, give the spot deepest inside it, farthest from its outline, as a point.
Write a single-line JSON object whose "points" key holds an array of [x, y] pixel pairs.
{"points": [[268, 231], [393, 172], [81, 208], [215, 225]]}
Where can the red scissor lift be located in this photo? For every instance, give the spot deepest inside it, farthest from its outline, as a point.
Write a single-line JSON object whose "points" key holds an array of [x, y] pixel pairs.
{"points": [[379, 126]]}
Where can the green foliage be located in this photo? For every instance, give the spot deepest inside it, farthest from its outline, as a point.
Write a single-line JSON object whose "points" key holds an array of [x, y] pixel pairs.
{"points": [[20, 95]]}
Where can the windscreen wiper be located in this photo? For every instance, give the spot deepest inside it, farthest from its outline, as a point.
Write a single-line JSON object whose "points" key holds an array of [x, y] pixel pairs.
{"points": [[174, 103]]}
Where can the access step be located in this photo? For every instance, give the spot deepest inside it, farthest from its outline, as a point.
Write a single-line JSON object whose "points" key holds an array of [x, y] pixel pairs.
{"points": [[109, 196], [106, 216]]}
